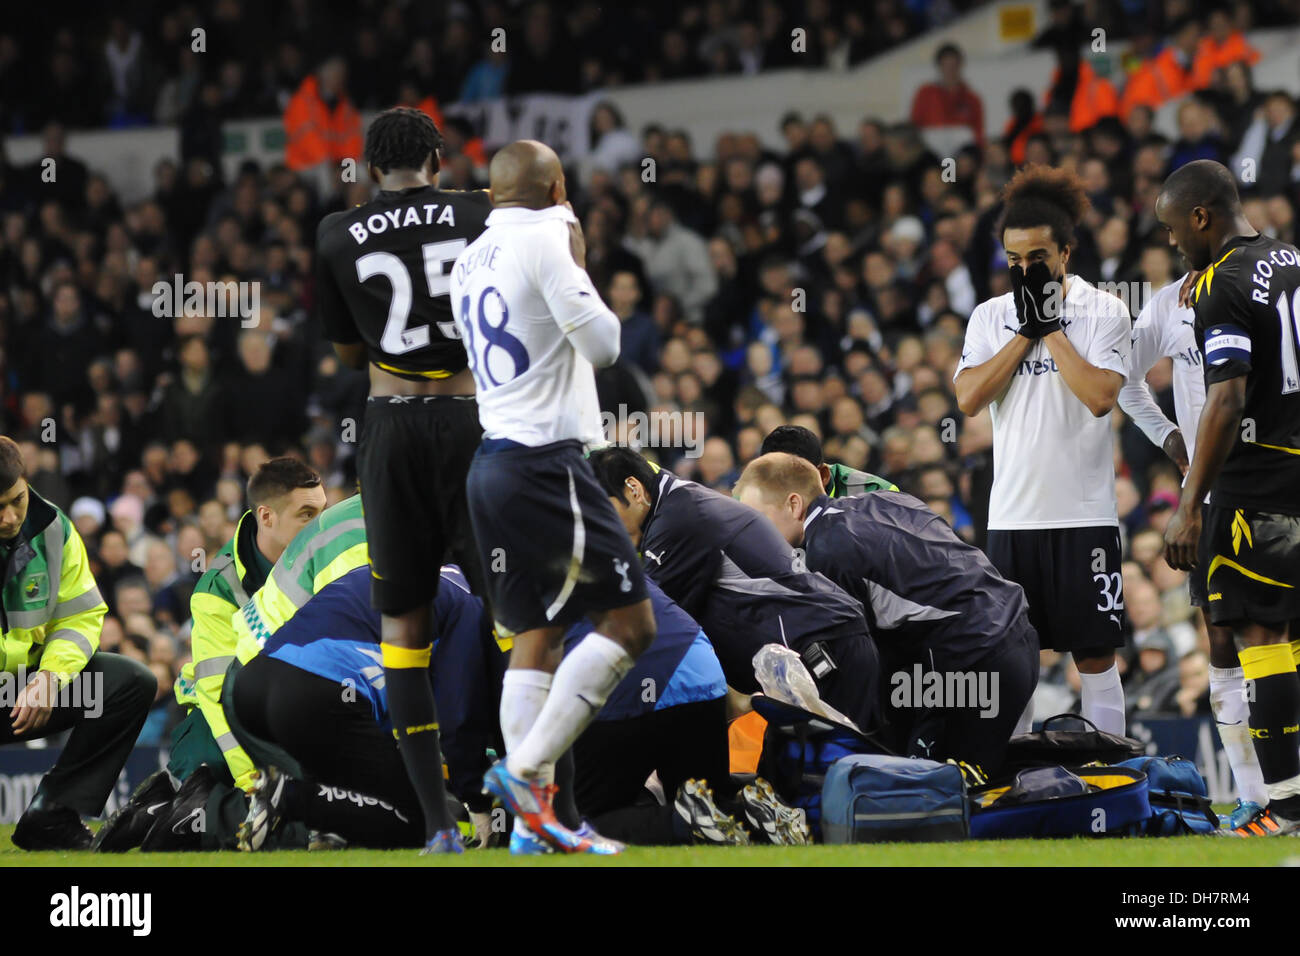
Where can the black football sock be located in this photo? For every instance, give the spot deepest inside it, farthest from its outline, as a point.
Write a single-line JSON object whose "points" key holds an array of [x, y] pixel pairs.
{"points": [[415, 725], [1275, 722]]}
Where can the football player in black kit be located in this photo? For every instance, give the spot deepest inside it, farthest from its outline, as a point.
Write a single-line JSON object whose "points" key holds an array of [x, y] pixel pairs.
{"points": [[382, 281], [1247, 305]]}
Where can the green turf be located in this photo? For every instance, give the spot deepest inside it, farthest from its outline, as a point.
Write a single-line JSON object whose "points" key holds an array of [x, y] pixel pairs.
{"points": [[1175, 851]]}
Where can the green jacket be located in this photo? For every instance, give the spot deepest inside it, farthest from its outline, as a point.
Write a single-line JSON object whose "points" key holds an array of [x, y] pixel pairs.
{"points": [[51, 612], [326, 549], [847, 481], [230, 578]]}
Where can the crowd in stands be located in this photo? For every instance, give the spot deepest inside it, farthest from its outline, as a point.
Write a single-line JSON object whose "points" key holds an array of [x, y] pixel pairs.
{"points": [[143, 63], [826, 283]]}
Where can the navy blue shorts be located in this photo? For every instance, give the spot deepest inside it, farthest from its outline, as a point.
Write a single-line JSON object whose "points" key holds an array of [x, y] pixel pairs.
{"points": [[552, 546], [1072, 581]]}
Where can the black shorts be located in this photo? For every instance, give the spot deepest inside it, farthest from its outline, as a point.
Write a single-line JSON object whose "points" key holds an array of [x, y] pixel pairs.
{"points": [[1072, 580], [1196, 591], [855, 686], [411, 467], [1252, 565], [552, 546]]}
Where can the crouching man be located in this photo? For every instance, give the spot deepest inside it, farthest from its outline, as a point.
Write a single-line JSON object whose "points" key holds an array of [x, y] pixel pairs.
{"points": [[54, 678], [959, 656], [729, 570]]}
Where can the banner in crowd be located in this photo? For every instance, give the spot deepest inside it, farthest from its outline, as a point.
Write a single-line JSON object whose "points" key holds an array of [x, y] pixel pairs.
{"points": [[562, 122]]}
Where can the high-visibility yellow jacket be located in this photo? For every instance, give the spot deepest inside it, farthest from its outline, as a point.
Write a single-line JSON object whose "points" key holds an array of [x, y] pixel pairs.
{"points": [[51, 612], [330, 546], [231, 577]]}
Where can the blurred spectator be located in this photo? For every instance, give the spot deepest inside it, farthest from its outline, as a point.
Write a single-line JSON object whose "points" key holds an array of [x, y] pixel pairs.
{"points": [[541, 63], [486, 80], [640, 337], [1151, 689], [1167, 75], [1198, 135], [320, 123], [949, 102], [1268, 148], [192, 402], [676, 260], [1077, 89], [1222, 46], [612, 144], [1023, 123]]}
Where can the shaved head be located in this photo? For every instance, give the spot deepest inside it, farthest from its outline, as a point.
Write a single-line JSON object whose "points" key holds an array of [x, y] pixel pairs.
{"points": [[1201, 208], [526, 173], [1202, 182]]}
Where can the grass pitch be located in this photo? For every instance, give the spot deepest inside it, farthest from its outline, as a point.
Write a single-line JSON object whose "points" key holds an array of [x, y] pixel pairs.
{"points": [[1079, 852]]}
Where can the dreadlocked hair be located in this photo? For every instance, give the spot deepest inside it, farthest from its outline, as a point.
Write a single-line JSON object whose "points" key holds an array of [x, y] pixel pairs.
{"points": [[402, 138]]}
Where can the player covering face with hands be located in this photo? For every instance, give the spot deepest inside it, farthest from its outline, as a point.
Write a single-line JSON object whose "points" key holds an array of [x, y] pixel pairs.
{"points": [[1037, 294], [1048, 360]]}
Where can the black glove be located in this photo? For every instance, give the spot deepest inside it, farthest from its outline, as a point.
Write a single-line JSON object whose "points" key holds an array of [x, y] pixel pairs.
{"points": [[1038, 300]]}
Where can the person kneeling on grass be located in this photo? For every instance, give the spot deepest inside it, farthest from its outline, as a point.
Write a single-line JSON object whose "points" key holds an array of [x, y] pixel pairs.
{"points": [[942, 616], [54, 676], [668, 717], [312, 710]]}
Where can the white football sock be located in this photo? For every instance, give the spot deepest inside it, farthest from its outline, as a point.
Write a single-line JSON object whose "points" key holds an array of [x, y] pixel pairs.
{"points": [[1103, 700], [583, 682], [523, 694], [1232, 717]]}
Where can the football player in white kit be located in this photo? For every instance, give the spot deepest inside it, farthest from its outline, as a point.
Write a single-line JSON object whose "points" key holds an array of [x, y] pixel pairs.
{"points": [[1165, 327], [552, 546], [1049, 359]]}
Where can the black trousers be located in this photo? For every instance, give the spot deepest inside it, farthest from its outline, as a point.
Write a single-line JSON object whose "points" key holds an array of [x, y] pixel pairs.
{"points": [[613, 758], [854, 687], [971, 733], [112, 695], [350, 776]]}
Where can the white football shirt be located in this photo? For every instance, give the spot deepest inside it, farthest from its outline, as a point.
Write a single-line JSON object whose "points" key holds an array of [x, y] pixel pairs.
{"points": [[1164, 328], [1053, 460], [516, 297]]}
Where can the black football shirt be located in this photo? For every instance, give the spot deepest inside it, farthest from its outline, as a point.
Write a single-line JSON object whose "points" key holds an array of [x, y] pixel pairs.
{"points": [[382, 271], [1247, 307]]}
